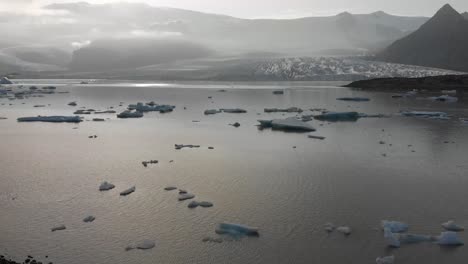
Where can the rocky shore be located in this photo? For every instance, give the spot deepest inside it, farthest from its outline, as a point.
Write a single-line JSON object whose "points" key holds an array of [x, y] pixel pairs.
{"points": [[433, 83]]}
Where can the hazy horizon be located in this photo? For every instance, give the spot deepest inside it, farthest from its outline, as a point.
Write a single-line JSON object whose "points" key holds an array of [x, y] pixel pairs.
{"points": [[268, 9]]}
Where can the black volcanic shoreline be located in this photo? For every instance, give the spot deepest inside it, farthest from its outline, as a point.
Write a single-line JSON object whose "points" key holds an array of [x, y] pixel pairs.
{"points": [[432, 83]]}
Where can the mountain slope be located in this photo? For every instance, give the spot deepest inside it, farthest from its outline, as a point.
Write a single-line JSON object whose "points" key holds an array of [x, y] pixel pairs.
{"points": [[465, 15], [442, 42]]}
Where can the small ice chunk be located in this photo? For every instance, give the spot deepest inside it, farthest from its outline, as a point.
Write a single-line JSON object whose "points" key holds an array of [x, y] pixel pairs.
{"points": [[212, 112], [279, 92], [424, 113], [385, 260], [391, 238], [233, 110], [58, 228], [128, 191], [105, 186], [444, 98], [237, 230], [452, 226], [170, 188], [283, 110], [130, 114], [346, 230], [193, 204], [449, 238], [394, 226], [145, 244], [413, 238], [329, 227], [288, 124], [205, 204], [186, 196], [89, 219]]}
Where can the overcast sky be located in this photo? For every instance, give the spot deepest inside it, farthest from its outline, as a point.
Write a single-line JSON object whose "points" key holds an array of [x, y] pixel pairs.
{"points": [[275, 8]]}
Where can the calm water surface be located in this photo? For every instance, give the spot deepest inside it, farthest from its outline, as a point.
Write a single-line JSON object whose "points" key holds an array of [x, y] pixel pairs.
{"points": [[50, 174]]}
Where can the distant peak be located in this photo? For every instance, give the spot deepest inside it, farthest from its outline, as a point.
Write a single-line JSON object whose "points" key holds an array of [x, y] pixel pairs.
{"points": [[344, 14], [447, 10], [379, 13]]}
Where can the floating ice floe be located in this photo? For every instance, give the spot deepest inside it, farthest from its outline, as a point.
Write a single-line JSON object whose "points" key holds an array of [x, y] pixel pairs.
{"points": [[181, 146], [130, 114], [185, 196], [449, 238], [236, 230], [58, 228], [105, 186], [143, 245], [385, 260], [89, 219], [452, 226], [51, 119], [425, 114], [212, 112], [354, 99], [233, 110], [128, 191], [338, 116], [316, 137], [194, 204], [288, 124], [329, 227], [394, 226], [444, 98], [283, 110], [151, 107], [346, 230]]}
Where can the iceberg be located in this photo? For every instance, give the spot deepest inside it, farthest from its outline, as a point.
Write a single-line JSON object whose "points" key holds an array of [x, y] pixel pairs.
{"points": [[128, 191], [105, 186], [58, 228], [288, 124], [449, 238], [185, 196], [452, 226], [130, 114], [385, 260], [338, 116], [346, 230], [354, 99], [89, 219], [237, 230], [5, 80], [51, 119], [394, 226]]}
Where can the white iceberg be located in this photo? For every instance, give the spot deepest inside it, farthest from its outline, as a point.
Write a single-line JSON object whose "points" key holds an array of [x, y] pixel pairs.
{"points": [[449, 238], [394, 226], [346, 230], [452, 226], [105, 186], [51, 119], [58, 228], [89, 219], [237, 230], [385, 260], [5, 80], [128, 191]]}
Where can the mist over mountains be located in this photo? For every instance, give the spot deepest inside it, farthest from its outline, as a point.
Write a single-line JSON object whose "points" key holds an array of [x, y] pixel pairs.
{"points": [[91, 37]]}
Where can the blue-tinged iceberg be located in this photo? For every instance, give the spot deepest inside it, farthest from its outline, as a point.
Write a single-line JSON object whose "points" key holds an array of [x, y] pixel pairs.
{"points": [[237, 230]]}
